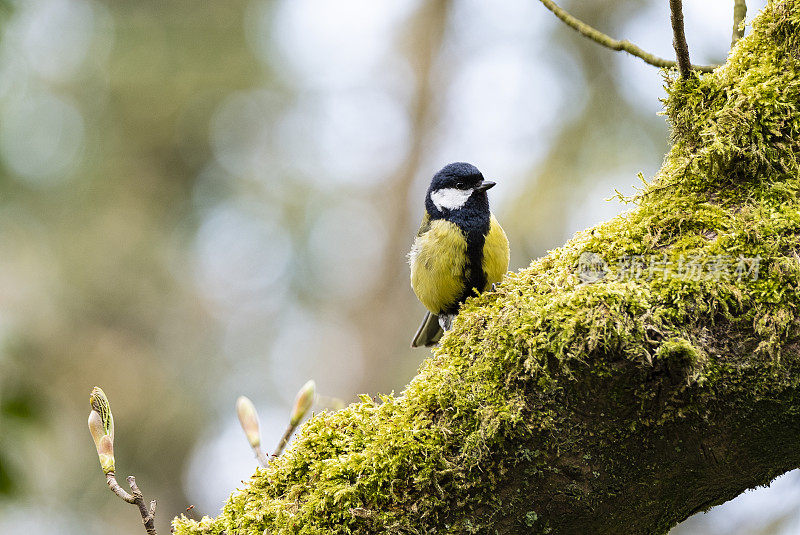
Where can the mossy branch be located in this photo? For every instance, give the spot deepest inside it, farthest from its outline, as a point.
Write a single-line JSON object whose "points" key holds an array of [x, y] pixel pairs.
{"points": [[646, 370], [609, 42]]}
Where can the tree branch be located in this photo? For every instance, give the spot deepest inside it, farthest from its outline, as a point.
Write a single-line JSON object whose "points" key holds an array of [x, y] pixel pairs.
{"points": [[609, 42], [679, 40], [623, 405], [739, 14]]}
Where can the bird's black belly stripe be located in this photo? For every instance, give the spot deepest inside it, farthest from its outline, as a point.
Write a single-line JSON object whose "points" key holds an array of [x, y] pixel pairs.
{"points": [[474, 276]]}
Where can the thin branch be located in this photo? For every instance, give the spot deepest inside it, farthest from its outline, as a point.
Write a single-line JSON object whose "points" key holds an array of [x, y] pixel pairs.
{"points": [[679, 41], [739, 13], [284, 440], [609, 42], [111, 479], [148, 514]]}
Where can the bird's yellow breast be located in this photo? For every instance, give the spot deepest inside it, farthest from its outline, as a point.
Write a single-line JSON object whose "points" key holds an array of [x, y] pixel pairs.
{"points": [[438, 259]]}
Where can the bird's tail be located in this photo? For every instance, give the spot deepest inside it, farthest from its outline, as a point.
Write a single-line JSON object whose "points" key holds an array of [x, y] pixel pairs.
{"points": [[429, 332]]}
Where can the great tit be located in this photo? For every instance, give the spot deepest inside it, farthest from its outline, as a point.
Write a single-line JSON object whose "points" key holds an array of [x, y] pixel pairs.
{"points": [[460, 249]]}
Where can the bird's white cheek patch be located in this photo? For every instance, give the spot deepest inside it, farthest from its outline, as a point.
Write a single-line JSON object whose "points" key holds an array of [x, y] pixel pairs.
{"points": [[450, 198]]}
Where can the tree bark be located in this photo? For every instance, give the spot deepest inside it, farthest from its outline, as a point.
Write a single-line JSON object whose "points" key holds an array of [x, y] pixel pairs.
{"points": [[641, 373]]}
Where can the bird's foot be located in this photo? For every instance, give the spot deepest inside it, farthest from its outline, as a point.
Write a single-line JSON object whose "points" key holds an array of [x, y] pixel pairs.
{"points": [[494, 287]]}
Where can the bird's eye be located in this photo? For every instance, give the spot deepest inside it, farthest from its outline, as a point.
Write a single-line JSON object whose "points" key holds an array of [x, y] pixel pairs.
{"points": [[461, 185]]}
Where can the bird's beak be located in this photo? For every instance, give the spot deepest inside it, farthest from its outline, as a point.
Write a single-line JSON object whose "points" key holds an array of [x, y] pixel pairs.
{"points": [[486, 184]]}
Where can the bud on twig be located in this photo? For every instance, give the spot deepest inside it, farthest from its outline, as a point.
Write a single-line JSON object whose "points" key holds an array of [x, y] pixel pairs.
{"points": [[303, 402], [101, 426], [248, 418]]}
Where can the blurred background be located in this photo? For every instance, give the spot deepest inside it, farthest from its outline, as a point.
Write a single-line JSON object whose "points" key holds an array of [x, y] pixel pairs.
{"points": [[205, 199]]}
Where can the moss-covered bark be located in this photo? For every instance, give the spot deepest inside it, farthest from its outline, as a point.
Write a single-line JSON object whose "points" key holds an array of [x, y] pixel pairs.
{"points": [[617, 406]]}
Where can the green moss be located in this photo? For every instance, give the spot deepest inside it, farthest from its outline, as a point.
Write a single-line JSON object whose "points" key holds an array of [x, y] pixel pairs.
{"points": [[530, 518], [679, 351], [548, 366]]}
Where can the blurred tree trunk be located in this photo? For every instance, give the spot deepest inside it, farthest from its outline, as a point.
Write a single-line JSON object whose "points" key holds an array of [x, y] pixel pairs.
{"points": [[422, 42], [562, 404]]}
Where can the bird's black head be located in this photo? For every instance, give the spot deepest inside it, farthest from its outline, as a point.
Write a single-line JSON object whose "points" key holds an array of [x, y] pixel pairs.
{"points": [[458, 186], [459, 175]]}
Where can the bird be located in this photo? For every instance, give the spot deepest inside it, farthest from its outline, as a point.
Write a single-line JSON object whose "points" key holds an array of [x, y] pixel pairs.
{"points": [[460, 249]]}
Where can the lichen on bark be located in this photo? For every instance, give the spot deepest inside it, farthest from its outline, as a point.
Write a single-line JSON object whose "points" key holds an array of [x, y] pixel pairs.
{"points": [[622, 405]]}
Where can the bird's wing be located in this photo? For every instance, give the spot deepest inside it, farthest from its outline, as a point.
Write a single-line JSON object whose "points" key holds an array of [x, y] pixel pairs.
{"points": [[425, 225]]}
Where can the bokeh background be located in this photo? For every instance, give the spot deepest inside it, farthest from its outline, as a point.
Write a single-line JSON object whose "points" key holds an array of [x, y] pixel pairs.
{"points": [[205, 199]]}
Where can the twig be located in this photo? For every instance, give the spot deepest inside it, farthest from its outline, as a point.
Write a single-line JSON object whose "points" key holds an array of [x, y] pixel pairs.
{"points": [[284, 440], [101, 427], [679, 41], [302, 403], [148, 514], [609, 42], [111, 479], [739, 13]]}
